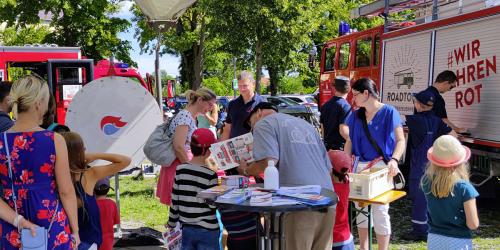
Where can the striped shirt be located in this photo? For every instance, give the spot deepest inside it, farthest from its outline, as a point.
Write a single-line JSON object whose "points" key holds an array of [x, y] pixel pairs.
{"points": [[186, 208]]}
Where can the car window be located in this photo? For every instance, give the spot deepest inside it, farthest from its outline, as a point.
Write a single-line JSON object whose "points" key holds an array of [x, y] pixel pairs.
{"points": [[344, 55], [288, 101], [274, 101], [311, 99], [295, 99]]}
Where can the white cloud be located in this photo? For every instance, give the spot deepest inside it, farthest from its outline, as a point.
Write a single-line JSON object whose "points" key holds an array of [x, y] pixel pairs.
{"points": [[124, 11]]}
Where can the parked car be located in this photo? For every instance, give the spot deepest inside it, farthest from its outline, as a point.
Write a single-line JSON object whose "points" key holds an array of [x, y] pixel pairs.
{"points": [[306, 100], [291, 107], [223, 101], [302, 99]]}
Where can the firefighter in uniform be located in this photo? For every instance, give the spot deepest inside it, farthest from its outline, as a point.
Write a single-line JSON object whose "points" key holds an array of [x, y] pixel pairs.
{"points": [[424, 127]]}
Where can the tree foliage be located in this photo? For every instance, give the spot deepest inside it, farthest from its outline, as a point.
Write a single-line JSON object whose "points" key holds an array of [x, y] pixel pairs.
{"points": [[85, 23]]}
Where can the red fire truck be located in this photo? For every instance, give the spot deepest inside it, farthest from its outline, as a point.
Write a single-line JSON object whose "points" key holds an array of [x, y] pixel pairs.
{"points": [[461, 36], [64, 68]]}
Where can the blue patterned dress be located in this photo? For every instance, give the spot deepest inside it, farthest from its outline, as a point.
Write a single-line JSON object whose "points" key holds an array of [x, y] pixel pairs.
{"points": [[33, 158]]}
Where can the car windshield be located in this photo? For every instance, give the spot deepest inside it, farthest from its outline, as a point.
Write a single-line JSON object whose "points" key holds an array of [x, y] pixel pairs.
{"points": [[310, 99]]}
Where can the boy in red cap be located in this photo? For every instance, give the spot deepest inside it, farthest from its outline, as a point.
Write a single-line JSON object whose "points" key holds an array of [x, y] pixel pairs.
{"points": [[200, 228], [341, 164]]}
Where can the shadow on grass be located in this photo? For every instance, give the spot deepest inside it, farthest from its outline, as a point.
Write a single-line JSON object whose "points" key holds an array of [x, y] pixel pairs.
{"points": [[144, 192]]}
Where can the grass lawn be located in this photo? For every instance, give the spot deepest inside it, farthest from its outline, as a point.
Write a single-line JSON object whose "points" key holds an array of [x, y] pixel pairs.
{"points": [[139, 205]]}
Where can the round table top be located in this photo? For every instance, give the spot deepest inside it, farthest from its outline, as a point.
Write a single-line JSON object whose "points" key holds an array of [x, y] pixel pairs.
{"points": [[246, 207]]}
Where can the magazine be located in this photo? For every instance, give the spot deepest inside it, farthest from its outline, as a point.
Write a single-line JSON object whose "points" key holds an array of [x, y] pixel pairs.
{"points": [[214, 192], [229, 153]]}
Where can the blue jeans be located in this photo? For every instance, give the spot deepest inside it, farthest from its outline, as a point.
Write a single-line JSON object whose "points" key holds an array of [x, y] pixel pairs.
{"points": [[195, 238]]}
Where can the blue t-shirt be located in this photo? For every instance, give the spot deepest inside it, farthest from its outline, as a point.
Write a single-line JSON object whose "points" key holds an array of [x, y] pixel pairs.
{"points": [[333, 113], [237, 113], [447, 215], [381, 128]]}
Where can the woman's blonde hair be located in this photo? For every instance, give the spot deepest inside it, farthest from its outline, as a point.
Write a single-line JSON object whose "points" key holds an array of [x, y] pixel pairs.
{"points": [[26, 92], [204, 93], [441, 180]]}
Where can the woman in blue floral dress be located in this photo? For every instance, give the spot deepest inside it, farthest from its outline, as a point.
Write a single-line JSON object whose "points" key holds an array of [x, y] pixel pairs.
{"points": [[42, 181]]}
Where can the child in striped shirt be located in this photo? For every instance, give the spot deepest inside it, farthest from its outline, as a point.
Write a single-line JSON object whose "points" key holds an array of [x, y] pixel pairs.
{"points": [[200, 228]]}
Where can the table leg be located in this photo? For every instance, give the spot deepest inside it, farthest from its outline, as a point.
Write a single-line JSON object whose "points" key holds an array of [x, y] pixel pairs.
{"points": [[260, 238], [267, 232], [281, 230], [272, 231], [370, 234]]}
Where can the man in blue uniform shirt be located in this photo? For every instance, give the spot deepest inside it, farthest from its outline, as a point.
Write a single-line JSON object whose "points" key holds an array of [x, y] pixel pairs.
{"points": [[333, 114], [445, 81], [424, 127], [239, 108]]}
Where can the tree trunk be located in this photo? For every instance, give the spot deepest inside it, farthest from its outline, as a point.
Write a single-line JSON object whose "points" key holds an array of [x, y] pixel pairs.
{"points": [[274, 80], [258, 64], [198, 51]]}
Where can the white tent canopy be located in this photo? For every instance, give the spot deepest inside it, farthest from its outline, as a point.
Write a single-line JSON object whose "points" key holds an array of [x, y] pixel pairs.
{"points": [[164, 10]]}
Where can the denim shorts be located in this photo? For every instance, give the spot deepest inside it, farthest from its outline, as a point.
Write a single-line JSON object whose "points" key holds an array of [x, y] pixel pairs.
{"points": [[197, 238]]}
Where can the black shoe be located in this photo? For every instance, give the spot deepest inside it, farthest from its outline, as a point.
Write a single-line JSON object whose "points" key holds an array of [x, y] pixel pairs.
{"points": [[412, 236]]}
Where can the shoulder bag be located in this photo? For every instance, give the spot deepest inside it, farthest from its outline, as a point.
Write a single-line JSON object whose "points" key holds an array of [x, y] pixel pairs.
{"points": [[158, 147], [28, 242], [398, 179]]}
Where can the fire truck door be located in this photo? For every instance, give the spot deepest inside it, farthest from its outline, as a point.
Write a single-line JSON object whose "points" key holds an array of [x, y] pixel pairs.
{"points": [[65, 79]]}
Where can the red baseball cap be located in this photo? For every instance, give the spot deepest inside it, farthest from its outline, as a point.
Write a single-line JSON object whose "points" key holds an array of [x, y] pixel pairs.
{"points": [[341, 162], [203, 138]]}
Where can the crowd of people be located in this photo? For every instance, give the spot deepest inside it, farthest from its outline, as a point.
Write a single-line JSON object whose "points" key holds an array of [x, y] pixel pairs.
{"points": [[372, 131], [46, 180]]}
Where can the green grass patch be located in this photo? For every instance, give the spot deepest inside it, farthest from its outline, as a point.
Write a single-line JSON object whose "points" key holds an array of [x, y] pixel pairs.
{"points": [[139, 204]]}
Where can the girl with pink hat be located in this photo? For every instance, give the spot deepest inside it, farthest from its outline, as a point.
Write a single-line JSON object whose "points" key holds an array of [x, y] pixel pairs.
{"points": [[451, 198]]}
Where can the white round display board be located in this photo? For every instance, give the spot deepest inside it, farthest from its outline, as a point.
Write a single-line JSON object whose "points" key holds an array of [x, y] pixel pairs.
{"points": [[114, 115]]}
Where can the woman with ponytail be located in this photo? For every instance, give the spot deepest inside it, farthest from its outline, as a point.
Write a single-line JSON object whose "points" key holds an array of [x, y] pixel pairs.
{"points": [[84, 179], [385, 127], [181, 128]]}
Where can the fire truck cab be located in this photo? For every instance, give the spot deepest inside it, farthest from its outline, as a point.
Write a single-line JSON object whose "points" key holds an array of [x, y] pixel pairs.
{"points": [[460, 36], [63, 67]]}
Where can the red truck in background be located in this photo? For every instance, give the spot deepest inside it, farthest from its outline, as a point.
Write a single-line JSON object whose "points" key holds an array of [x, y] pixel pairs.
{"points": [[405, 59], [65, 69]]}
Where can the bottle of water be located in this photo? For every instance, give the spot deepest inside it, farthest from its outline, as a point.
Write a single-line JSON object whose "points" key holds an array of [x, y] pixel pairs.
{"points": [[271, 177]]}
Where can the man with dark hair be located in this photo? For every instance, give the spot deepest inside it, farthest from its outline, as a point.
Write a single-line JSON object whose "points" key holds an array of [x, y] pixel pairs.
{"points": [[5, 107], [301, 158], [445, 81], [333, 114]]}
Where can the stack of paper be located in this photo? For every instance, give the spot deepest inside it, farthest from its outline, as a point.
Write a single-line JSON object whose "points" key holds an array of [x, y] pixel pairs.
{"points": [[213, 192], [309, 199], [259, 198], [307, 189], [235, 196]]}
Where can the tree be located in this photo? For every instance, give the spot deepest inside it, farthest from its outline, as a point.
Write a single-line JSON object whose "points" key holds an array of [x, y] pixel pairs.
{"points": [[84, 23], [187, 39], [12, 36]]}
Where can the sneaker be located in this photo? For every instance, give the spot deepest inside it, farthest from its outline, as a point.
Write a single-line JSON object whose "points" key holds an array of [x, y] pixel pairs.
{"points": [[412, 236]]}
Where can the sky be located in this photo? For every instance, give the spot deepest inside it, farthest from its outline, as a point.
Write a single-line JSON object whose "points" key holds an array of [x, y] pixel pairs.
{"points": [[145, 62]]}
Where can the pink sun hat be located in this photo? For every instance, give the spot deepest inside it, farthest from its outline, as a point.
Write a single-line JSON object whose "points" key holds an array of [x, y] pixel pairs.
{"points": [[448, 152]]}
